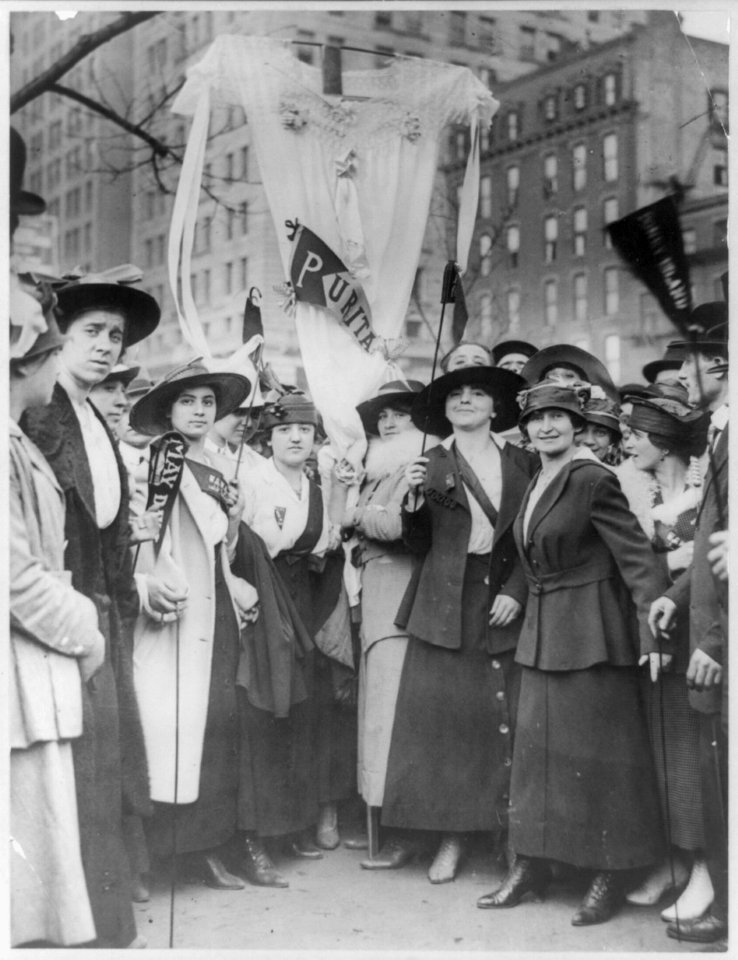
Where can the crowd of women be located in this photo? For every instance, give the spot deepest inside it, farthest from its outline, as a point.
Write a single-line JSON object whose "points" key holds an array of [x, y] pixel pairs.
{"points": [[484, 630]]}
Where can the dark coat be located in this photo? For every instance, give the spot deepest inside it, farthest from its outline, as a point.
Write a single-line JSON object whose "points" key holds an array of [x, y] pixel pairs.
{"points": [[697, 594], [585, 556], [101, 566], [439, 532]]}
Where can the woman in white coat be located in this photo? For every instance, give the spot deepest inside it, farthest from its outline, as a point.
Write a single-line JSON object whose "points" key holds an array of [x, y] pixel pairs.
{"points": [[185, 661]]}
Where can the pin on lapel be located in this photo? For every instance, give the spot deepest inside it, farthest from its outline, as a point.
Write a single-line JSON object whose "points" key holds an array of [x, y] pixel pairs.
{"points": [[450, 481], [279, 514]]}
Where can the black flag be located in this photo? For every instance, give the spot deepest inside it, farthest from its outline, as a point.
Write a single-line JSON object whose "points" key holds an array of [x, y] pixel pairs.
{"points": [[650, 242], [461, 314], [165, 474], [252, 323]]}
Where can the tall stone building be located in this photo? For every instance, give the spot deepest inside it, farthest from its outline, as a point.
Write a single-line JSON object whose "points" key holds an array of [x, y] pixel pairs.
{"points": [[582, 142], [106, 216]]}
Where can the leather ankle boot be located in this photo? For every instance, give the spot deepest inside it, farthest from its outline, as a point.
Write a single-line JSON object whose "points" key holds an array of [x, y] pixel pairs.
{"points": [[602, 900], [326, 835], [526, 876], [256, 865]]}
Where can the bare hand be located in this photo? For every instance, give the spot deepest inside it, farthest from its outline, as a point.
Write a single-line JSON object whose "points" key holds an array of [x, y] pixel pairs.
{"points": [[658, 663], [146, 526], [166, 600], [718, 556], [246, 600], [235, 500], [91, 661], [703, 673], [661, 616], [415, 472], [504, 611]]}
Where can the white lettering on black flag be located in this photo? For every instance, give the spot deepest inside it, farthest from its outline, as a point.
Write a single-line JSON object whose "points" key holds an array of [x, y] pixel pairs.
{"points": [[320, 278], [650, 242]]}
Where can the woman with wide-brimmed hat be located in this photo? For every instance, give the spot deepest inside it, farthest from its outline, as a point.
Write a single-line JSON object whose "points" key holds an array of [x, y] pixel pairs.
{"points": [[385, 564], [291, 758], [100, 319], [110, 396], [602, 431], [185, 661], [449, 760], [583, 787], [666, 436]]}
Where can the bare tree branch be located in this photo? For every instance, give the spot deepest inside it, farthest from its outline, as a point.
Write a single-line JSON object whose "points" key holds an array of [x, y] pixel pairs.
{"points": [[84, 46]]}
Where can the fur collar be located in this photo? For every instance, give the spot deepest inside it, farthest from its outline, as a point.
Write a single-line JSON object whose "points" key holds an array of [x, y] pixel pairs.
{"points": [[385, 457]]}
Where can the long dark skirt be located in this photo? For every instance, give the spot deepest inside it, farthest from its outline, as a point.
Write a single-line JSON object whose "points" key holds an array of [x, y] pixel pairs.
{"points": [[211, 820], [336, 734], [583, 785], [451, 749], [676, 739], [97, 773]]}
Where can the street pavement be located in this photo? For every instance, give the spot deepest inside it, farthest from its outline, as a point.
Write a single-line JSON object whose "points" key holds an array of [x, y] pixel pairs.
{"points": [[332, 904]]}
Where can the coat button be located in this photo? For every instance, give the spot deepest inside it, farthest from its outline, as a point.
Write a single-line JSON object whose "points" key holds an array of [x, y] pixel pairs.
{"points": [[495, 664], [507, 762], [500, 694], [504, 728]]}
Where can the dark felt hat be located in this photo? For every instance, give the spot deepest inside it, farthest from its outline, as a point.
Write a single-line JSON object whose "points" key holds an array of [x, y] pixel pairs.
{"points": [[141, 311], [671, 419], [504, 349], [671, 360], [389, 394], [567, 355], [290, 408], [150, 414], [22, 202], [552, 396], [709, 321], [121, 372], [603, 412], [429, 409]]}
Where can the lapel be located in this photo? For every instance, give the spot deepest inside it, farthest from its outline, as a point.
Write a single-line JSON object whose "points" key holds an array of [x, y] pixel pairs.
{"points": [[444, 472], [548, 499], [513, 479], [73, 469], [720, 459]]}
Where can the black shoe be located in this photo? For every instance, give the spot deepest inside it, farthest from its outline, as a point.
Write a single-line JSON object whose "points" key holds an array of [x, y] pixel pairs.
{"points": [[359, 842], [526, 876], [208, 869], [706, 929], [257, 865], [304, 846], [602, 901], [393, 855]]}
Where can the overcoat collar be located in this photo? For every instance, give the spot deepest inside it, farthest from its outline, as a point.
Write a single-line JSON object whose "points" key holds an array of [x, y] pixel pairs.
{"points": [[553, 492], [72, 468], [720, 459]]}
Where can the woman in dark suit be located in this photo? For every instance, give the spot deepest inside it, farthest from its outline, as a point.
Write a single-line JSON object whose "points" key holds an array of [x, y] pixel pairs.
{"points": [[451, 747], [583, 788]]}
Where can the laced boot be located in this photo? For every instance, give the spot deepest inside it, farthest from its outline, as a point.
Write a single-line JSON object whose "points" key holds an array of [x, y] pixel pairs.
{"points": [[527, 875], [446, 862], [256, 864], [602, 900]]}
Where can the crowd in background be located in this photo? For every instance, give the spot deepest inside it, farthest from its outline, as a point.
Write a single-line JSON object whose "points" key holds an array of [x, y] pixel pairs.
{"points": [[509, 623]]}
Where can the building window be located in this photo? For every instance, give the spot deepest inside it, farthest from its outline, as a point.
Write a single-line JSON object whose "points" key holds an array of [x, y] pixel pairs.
{"points": [[554, 46], [488, 77], [512, 178], [383, 20], [612, 294], [579, 166], [243, 213], [689, 239], [580, 231], [512, 242], [513, 308], [649, 315], [244, 271], [551, 302], [551, 236], [580, 297], [720, 233], [484, 139], [457, 28], [610, 213], [485, 315], [228, 277], [610, 89], [720, 169], [244, 163], [485, 255], [206, 286], [513, 126], [527, 43], [550, 107], [550, 175], [580, 96], [460, 144], [610, 157], [485, 197], [612, 356], [149, 252]]}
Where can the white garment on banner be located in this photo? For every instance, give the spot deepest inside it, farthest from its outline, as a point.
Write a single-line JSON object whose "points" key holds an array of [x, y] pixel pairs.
{"points": [[358, 172]]}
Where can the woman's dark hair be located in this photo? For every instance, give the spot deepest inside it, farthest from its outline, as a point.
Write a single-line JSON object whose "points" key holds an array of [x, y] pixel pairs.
{"points": [[164, 410], [463, 343], [400, 404], [684, 448]]}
